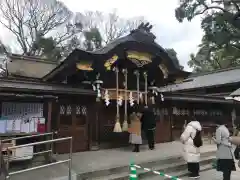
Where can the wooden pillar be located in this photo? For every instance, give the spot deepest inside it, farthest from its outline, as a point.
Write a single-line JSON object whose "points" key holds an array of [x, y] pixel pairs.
{"points": [[95, 127], [48, 156], [170, 115], [49, 117]]}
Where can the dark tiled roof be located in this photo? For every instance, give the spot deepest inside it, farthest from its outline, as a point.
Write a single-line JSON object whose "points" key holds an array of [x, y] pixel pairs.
{"points": [[196, 98], [31, 58], [235, 93], [29, 66], [23, 86], [216, 78]]}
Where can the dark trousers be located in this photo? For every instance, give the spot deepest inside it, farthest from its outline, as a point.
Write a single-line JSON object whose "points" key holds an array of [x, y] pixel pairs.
{"points": [[150, 138], [136, 148], [193, 168], [226, 175]]}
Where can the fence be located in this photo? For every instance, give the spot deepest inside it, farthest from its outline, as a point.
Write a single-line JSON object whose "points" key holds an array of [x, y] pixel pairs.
{"points": [[69, 160], [30, 136], [13, 140], [133, 173]]}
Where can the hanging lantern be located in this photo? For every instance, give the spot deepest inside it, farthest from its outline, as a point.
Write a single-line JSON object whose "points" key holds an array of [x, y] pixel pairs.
{"points": [[97, 85]]}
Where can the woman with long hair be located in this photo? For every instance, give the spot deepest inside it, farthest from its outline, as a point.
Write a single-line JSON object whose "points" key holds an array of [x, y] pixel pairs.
{"points": [[225, 158]]}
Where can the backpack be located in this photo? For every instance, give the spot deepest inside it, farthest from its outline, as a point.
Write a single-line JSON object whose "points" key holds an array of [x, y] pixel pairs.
{"points": [[237, 152], [197, 140]]}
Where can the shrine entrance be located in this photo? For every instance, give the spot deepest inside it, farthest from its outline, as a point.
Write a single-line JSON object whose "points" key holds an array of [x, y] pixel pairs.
{"points": [[125, 76], [73, 121]]}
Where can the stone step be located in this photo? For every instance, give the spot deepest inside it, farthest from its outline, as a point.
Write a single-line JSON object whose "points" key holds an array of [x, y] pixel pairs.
{"points": [[167, 167], [179, 167], [57, 172], [123, 169], [181, 174]]}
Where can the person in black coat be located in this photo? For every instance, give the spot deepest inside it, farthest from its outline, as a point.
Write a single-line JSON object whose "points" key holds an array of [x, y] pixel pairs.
{"points": [[148, 121]]}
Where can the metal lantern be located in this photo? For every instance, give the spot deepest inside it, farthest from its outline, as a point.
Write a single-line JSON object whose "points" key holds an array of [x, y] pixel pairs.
{"points": [[97, 85]]}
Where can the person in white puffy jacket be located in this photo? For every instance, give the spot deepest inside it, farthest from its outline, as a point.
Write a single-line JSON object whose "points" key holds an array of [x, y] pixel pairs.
{"points": [[191, 153]]}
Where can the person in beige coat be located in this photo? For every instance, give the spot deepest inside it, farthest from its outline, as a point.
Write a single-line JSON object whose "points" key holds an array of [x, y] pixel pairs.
{"points": [[135, 137], [235, 139]]}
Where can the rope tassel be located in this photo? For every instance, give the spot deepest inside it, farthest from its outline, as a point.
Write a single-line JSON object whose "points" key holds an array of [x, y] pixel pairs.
{"points": [[117, 126], [125, 122]]}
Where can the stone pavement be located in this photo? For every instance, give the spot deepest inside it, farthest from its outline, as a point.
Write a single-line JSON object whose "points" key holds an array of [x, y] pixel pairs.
{"points": [[214, 175], [91, 161], [99, 160], [209, 175]]}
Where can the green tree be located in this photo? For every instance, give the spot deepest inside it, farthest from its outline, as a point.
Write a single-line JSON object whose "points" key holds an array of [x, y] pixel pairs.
{"points": [[93, 39], [173, 54], [220, 46]]}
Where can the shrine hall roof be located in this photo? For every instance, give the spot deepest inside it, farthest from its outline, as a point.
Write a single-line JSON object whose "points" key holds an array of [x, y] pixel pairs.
{"points": [[139, 39], [215, 78]]}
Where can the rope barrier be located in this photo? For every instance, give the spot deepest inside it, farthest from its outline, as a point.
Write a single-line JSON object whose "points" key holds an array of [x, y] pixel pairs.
{"points": [[133, 172]]}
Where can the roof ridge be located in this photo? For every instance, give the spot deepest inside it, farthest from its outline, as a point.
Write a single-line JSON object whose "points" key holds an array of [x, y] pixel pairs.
{"points": [[213, 72], [32, 58]]}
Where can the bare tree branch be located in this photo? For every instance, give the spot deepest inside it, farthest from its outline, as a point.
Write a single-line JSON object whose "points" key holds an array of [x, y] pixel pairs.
{"points": [[110, 25], [30, 20]]}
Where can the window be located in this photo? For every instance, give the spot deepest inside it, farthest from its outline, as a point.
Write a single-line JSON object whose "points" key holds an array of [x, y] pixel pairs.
{"points": [[69, 110], [62, 109], [81, 114], [65, 114], [78, 110], [81, 110], [84, 110]]}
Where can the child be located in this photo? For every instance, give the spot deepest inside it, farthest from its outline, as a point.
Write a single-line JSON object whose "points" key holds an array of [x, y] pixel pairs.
{"points": [[135, 137]]}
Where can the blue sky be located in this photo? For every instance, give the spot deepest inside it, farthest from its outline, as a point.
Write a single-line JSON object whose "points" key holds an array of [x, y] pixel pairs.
{"points": [[183, 37]]}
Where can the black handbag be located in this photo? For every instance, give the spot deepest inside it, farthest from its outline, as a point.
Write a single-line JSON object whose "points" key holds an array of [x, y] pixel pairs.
{"points": [[237, 153]]}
